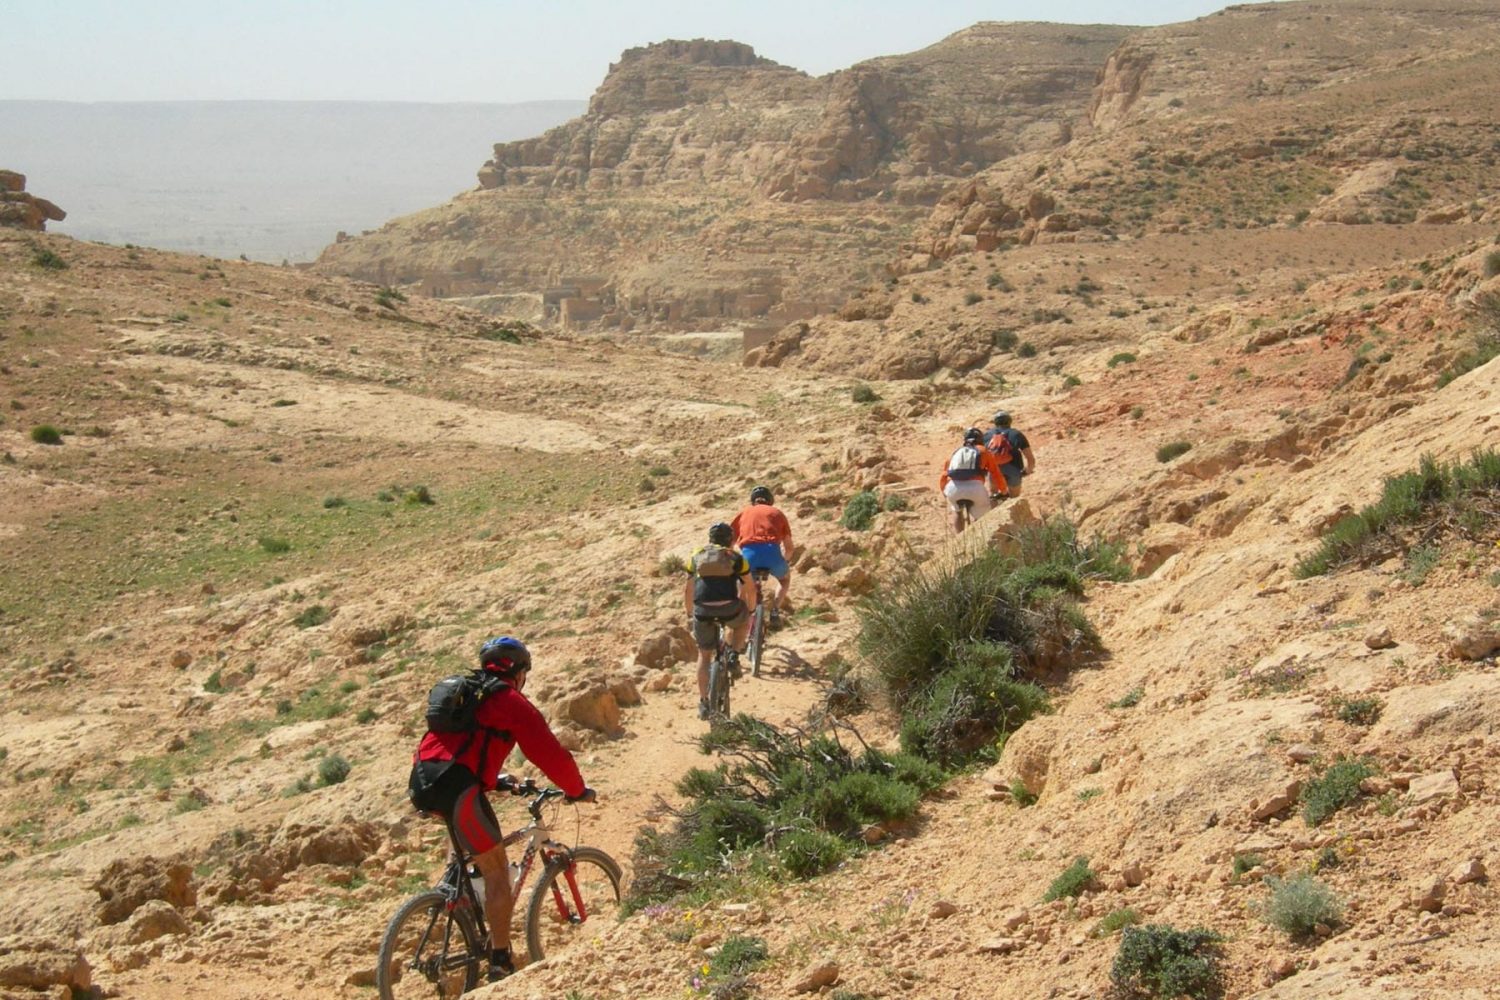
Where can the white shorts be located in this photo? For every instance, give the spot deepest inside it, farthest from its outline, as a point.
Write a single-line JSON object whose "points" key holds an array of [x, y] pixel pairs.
{"points": [[968, 489]]}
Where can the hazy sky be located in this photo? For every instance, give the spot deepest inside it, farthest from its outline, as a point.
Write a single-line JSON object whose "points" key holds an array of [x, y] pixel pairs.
{"points": [[458, 50]]}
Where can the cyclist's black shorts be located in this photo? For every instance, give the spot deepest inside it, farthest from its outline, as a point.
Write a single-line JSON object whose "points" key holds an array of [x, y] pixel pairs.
{"points": [[451, 791]]}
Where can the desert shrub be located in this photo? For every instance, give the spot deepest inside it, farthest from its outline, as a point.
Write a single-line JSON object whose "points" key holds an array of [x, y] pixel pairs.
{"points": [[805, 853], [1172, 449], [332, 503], [333, 769], [1129, 699], [1115, 920], [1297, 905], [1122, 358], [274, 544], [315, 615], [1005, 340], [960, 717], [860, 511], [1432, 494], [973, 298], [1021, 795], [781, 799], [1026, 350], [895, 501], [1072, 882], [1160, 961], [301, 786], [671, 565], [388, 296], [996, 281], [188, 802], [1358, 711], [864, 394], [1492, 263], [501, 334], [46, 259], [366, 716], [1336, 787], [46, 434], [214, 683], [1245, 861], [1072, 381], [1486, 346], [737, 955], [419, 496]]}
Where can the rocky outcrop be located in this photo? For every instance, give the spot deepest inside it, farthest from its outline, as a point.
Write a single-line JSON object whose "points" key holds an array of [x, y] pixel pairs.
{"points": [[125, 886], [22, 210]]}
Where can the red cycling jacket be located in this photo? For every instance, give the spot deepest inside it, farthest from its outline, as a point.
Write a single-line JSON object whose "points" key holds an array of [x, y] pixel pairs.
{"points": [[508, 711]]}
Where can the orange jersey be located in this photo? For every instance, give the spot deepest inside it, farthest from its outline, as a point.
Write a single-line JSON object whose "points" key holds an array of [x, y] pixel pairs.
{"points": [[760, 522], [988, 466]]}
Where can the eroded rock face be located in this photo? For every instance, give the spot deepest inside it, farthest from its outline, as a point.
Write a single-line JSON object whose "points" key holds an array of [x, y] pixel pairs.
{"points": [[125, 886], [22, 210], [37, 964]]}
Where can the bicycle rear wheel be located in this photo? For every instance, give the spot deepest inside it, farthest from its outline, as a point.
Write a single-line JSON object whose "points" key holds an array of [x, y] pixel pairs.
{"points": [[757, 639], [718, 687], [428, 948], [577, 899]]}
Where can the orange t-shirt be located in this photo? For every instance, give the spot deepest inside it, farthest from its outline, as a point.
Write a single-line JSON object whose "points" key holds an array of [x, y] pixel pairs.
{"points": [[760, 522]]}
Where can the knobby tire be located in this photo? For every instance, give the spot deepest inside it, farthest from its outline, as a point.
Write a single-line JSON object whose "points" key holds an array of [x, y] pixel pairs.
{"points": [[757, 639], [428, 947], [718, 687], [552, 919]]}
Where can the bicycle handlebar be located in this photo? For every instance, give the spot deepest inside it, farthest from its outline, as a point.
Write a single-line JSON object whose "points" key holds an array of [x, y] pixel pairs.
{"points": [[506, 783]]}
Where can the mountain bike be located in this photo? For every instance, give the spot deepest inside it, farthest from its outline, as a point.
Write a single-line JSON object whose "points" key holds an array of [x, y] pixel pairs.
{"points": [[966, 509], [758, 623], [438, 942], [719, 679]]}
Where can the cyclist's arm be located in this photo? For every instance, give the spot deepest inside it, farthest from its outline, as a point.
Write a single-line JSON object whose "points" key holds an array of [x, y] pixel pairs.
{"points": [[943, 479], [1030, 461], [786, 538], [747, 587], [687, 595], [540, 745], [992, 469]]}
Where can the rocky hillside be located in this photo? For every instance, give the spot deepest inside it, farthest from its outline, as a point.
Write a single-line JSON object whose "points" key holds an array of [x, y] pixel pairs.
{"points": [[708, 185], [22, 210]]}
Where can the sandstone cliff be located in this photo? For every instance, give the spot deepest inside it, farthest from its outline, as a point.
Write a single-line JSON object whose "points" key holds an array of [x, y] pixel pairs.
{"points": [[664, 203]]}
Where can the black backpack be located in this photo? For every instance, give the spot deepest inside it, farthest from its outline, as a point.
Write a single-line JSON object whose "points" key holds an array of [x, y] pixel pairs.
{"points": [[453, 703]]}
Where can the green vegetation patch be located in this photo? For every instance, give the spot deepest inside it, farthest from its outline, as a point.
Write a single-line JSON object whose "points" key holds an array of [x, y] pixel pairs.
{"points": [[1333, 789], [1299, 905], [859, 512], [950, 646], [1172, 449], [1074, 879], [1160, 962], [1459, 498], [779, 801]]}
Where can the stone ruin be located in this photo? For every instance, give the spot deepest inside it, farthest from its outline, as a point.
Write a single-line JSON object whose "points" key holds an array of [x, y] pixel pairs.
{"points": [[22, 210]]}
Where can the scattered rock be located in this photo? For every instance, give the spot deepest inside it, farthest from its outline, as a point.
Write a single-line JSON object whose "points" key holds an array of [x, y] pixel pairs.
{"points": [[591, 704], [659, 681], [1000, 945], [817, 976], [942, 909], [1277, 803], [1472, 870], [155, 918], [1279, 967], [37, 964], [1474, 635], [1428, 896], [1301, 753], [1133, 874], [1432, 786], [182, 659]]}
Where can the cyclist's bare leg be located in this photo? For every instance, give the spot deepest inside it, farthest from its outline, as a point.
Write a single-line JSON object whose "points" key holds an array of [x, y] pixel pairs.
{"points": [[498, 903], [956, 520], [739, 635], [704, 656], [782, 583]]}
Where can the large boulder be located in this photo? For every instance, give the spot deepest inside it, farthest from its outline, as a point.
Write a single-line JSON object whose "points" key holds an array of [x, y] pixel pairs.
{"points": [[126, 885], [37, 964]]}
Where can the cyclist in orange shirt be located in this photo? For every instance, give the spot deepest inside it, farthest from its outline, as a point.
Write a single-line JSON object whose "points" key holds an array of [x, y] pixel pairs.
{"points": [[764, 536], [963, 478]]}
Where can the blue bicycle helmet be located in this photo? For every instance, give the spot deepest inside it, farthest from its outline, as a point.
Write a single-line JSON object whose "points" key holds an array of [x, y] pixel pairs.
{"points": [[505, 655]]}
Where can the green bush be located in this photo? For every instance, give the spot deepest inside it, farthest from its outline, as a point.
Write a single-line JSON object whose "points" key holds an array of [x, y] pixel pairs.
{"points": [[315, 615], [1072, 882], [1021, 795], [44, 258], [1129, 699], [1123, 358], [419, 496], [860, 511], [805, 853], [331, 503], [737, 955], [864, 394], [1299, 904], [1159, 962], [973, 298], [894, 501], [1336, 787], [1245, 861], [500, 334], [1359, 711], [274, 544], [1113, 921], [1171, 450], [1005, 340], [996, 281], [46, 434], [1492, 263], [959, 719], [1435, 493], [1026, 350], [333, 769]]}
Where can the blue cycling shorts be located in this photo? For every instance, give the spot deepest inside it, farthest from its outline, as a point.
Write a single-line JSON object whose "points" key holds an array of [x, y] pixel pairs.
{"points": [[767, 556]]}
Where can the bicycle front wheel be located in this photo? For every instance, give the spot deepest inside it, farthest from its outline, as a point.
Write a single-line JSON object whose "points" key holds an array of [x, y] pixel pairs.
{"points": [[577, 899], [757, 639], [428, 949]]}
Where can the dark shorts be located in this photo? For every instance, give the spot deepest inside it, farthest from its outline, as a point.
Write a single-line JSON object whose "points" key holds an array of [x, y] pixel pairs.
{"points": [[1012, 477], [451, 791], [707, 620]]}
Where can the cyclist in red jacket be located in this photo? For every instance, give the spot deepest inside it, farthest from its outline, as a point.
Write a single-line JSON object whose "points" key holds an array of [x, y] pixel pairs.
{"points": [[452, 771]]}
